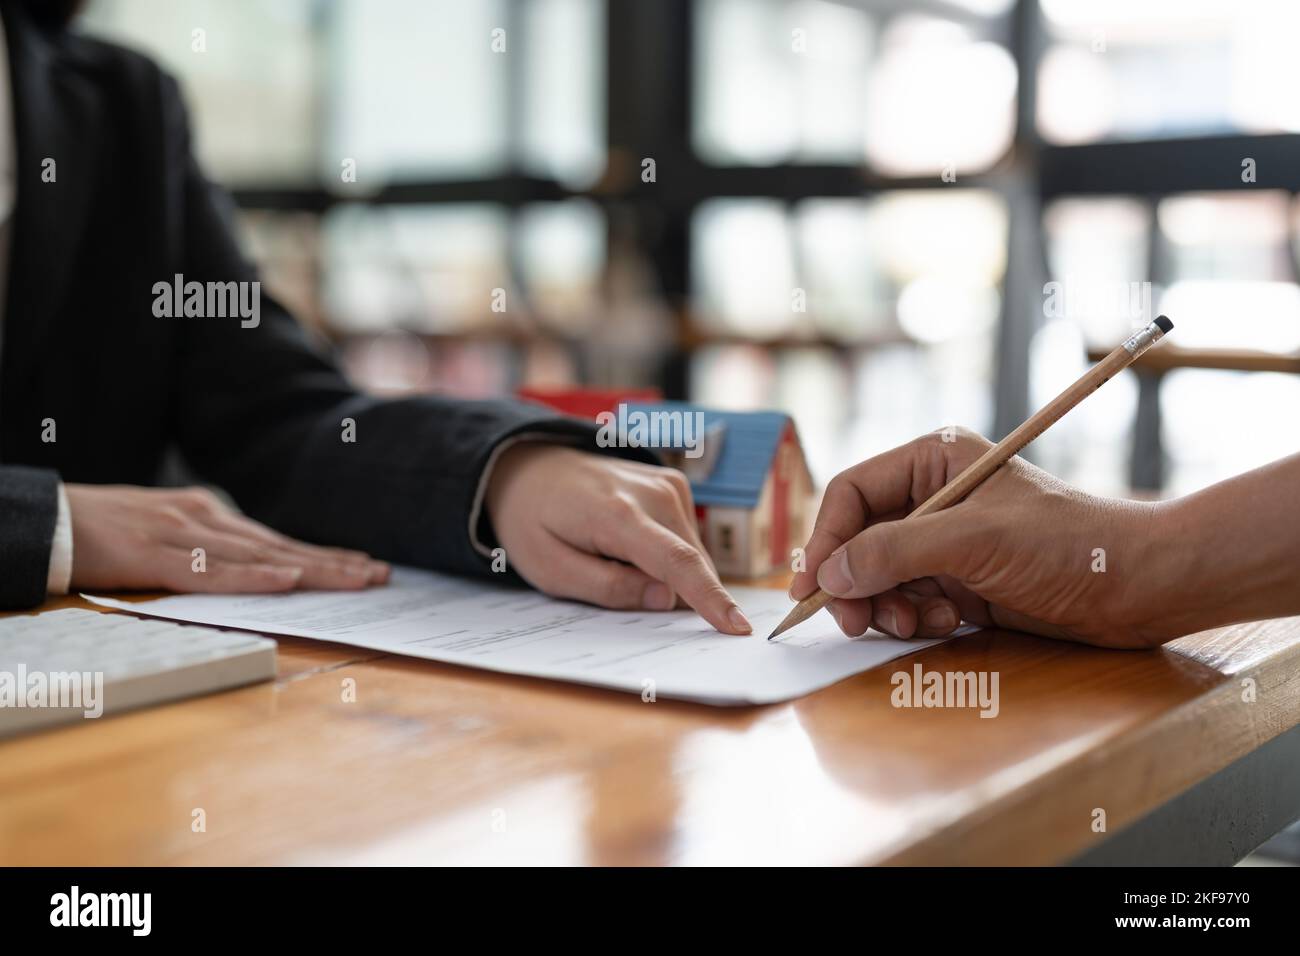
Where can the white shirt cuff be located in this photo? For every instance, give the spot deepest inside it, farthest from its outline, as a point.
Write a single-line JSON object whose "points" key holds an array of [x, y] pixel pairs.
{"points": [[60, 576], [480, 493]]}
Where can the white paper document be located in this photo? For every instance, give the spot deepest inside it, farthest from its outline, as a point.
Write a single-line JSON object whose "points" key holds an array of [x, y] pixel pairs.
{"points": [[517, 631]]}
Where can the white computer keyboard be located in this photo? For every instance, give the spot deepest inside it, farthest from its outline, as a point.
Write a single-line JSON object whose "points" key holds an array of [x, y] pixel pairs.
{"points": [[61, 666]]}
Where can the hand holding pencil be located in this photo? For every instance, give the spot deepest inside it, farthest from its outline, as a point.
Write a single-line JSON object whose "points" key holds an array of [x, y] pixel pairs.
{"points": [[987, 538]]}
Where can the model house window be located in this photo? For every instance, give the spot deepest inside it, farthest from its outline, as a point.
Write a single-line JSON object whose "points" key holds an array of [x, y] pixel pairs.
{"points": [[726, 540]]}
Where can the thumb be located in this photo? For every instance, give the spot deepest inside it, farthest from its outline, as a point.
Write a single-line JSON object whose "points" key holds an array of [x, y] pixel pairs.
{"points": [[891, 553]]}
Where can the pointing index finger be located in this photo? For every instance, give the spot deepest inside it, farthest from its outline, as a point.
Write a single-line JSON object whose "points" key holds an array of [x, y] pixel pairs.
{"points": [[664, 555]]}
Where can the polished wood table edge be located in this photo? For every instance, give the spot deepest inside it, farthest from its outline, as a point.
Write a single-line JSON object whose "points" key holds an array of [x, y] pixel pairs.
{"points": [[1224, 722], [1035, 812]]}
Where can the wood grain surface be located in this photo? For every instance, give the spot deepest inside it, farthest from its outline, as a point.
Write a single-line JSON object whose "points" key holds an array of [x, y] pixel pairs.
{"points": [[441, 764]]}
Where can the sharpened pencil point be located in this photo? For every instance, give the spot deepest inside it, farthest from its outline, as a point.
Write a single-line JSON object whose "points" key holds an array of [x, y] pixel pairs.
{"points": [[802, 611]]}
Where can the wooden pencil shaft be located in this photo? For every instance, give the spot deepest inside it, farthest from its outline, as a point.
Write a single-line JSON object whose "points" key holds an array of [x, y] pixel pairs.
{"points": [[974, 474], [977, 471]]}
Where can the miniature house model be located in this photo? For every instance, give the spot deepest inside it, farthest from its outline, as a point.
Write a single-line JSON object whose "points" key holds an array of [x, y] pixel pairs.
{"points": [[751, 486], [747, 470]]}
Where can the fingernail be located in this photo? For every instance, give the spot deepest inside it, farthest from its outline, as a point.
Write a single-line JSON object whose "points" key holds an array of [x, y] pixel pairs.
{"points": [[738, 621], [835, 613], [293, 574], [891, 622], [833, 576], [940, 619], [657, 597]]}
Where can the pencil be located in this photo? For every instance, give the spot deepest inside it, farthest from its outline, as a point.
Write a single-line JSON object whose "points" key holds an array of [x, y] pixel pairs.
{"points": [[1121, 358]]}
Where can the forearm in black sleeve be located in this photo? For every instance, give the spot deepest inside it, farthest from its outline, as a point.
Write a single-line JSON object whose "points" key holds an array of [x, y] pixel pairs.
{"points": [[261, 413], [404, 490], [29, 507]]}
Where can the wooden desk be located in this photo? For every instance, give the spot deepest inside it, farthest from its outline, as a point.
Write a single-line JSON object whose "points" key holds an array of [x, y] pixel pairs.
{"points": [[439, 764]]}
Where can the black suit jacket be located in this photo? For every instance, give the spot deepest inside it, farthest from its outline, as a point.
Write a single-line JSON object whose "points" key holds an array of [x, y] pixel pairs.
{"points": [[255, 411]]}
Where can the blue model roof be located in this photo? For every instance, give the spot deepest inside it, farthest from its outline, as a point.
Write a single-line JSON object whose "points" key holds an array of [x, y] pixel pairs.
{"points": [[749, 444]]}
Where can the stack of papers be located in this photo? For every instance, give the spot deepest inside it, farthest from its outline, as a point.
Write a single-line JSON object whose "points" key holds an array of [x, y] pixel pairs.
{"points": [[517, 631]]}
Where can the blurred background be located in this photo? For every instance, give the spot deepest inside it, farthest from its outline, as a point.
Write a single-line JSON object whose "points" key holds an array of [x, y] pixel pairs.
{"points": [[882, 217]]}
